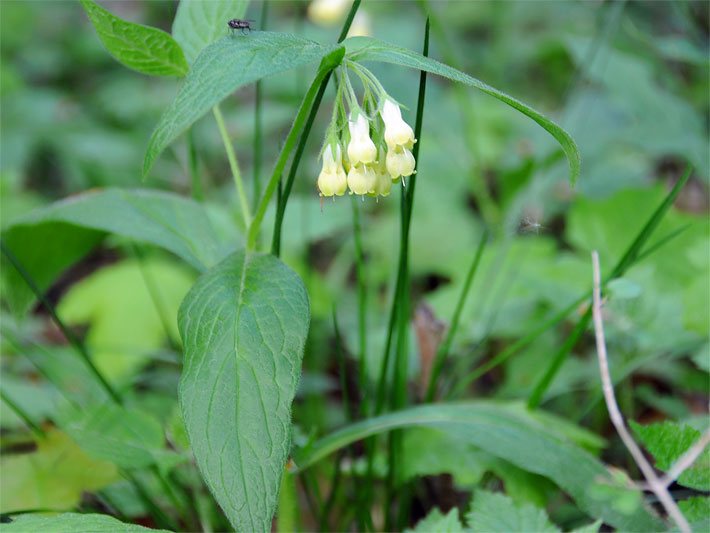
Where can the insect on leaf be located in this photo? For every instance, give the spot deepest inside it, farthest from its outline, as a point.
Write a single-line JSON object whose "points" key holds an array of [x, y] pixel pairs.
{"points": [[198, 23], [220, 69]]}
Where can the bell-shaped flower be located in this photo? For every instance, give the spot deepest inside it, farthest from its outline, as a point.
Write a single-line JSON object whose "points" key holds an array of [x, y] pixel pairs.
{"points": [[332, 179], [362, 179], [397, 132], [400, 162], [383, 185], [361, 148]]}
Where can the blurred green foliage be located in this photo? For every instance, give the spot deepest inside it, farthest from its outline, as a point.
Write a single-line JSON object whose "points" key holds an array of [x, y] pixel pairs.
{"points": [[629, 81]]}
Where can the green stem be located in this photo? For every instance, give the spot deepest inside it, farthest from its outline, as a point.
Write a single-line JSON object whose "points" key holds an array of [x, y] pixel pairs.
{"points": [[232, 157], [258, 121], [516, 347], [361, 306], [155, 296], [329, 62], [629, 258], [193, 164], [443, 351], [321, 81], [68, 333], [402, 302], [22, 414], [287, 511]]}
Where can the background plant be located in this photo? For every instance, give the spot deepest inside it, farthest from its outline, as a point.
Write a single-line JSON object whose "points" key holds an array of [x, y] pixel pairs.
{"points": [[475, 285]]}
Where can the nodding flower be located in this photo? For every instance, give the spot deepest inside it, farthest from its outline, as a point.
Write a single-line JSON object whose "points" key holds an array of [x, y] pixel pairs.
{"points": [[332, 179], [383, 186], [361, 149], [397, 132], [362, 179], [400, 162]]}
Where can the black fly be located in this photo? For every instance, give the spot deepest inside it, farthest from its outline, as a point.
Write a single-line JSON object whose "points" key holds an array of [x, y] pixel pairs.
{"points": [[240, 24]]}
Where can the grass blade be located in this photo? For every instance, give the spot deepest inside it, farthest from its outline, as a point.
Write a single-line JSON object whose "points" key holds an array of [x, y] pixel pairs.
{"points": [[443, 351], [629, 258], [283, 199]]}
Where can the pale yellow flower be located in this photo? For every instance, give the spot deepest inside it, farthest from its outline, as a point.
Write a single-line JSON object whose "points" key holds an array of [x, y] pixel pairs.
{"points": [[361, 149], [362, 179], [400, 162], [332, 179], [397, 132]]}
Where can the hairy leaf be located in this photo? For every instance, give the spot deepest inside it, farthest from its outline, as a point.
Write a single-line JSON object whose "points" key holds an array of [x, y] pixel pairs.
{"points": [[667, 441], [243, 326], [70, 228], [198, 23], [369, 49], [697, 510], [439, 522], [492, 512], [220, 69], [507, 432], [142, 48], [72, 523]]}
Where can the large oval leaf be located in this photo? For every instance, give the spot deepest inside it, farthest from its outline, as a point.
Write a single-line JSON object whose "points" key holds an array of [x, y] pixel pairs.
{"points": [[244, 326], [73, 522], [506, 431], [68, 229], [221, 68], [142, 48], [369, 49]]}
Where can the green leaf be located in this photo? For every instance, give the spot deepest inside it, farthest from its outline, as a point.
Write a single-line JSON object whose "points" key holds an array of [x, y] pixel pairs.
{"points": [[70, 228], [72, 523], [220, 69], [369, 49], [495, 512], [589, 528], [439, 522], [127, 318], [198, 23], [244, 326], [697, 510], [667, 441], [52, 477], [421, 456], [142, 48], [505, 431], [129, 438]]}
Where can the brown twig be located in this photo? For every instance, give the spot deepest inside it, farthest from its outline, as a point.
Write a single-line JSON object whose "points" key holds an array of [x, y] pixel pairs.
{"points": [[654, 482]]}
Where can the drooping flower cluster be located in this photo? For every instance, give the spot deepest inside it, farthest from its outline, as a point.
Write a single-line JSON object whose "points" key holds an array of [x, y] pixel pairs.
{"points": [[365, 152]]}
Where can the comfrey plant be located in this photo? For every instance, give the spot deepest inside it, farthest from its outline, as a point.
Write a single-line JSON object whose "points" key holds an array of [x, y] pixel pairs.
{"points": [[244, 323], [378, 144]]}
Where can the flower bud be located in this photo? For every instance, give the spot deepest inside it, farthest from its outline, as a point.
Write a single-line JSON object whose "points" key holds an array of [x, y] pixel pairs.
{"points": [[332, 179], [361, 148], [362, 179], [397, 131]]}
